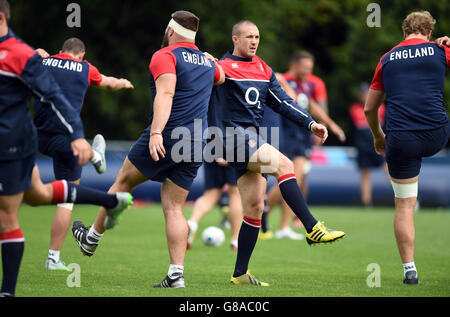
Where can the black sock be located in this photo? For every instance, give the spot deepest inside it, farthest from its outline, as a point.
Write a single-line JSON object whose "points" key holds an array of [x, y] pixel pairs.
{"points": [[248, 235], [86, 195], [66, 192], [293, 196], [12, 252]]}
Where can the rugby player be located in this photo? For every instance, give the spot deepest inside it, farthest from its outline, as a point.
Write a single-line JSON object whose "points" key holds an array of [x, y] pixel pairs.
{"points": [[21, 75], [181, 80], [410, 78], [363, 142], [74, 75], [295, 83], [238, 106]]}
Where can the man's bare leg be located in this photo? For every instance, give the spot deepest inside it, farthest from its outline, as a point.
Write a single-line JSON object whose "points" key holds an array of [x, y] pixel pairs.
{"points": [[173, 198], [88, 238], [60, 226], [128, 178], [406, 196]]}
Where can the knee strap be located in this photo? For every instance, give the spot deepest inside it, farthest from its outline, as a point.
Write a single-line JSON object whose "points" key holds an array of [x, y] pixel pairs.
{"points": [[405, 190], [66, 206]]}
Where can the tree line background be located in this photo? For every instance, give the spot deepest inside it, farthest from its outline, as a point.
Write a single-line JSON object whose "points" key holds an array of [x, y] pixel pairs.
{"points": [[121, 37]]}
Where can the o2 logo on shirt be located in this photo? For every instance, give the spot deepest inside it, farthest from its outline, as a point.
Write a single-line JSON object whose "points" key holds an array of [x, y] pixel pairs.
{"points": [[249, 96], [303, 101]]}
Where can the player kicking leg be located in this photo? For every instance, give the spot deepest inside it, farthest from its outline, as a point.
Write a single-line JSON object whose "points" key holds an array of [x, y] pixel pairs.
{"points": [[181, 91], [417, 123], [63, 192], [66, 167], [271, 161], [88, 238]]}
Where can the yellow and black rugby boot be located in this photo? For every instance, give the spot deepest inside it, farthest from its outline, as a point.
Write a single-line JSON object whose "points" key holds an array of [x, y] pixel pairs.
{"points": [[247, 279], [322, 234]]}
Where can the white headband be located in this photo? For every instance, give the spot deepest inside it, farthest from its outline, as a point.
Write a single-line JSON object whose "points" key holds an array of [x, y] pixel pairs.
{"points": [[181, 30]]}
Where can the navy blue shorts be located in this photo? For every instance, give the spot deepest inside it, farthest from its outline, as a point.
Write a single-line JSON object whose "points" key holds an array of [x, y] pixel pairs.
{"points": [[15, 175], [297, 146], [240, 147], [216, 176], [405, 150], [181, 173], [57, 146]]}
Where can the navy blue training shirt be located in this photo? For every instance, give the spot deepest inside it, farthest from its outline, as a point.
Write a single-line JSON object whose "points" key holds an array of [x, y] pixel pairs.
{"points": [[412, 76], [74, 77], [250, 86], [195, 78]]}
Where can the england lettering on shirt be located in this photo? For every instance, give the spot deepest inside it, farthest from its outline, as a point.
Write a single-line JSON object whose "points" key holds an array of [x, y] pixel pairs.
{"points": [[196, 59], [412, 53], [63, 64]]}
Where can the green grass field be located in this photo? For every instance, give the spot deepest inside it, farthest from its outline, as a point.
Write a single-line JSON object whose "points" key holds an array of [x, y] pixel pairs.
{"points": [[133, 256]]}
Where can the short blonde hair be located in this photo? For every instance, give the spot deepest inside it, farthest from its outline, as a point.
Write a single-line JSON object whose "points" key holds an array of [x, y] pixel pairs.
{"points": [[419, 22]]}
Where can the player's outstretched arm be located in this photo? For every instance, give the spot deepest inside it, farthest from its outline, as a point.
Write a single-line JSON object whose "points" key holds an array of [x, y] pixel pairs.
{"points": [[373, 102], [113, 83], [162, 107]]}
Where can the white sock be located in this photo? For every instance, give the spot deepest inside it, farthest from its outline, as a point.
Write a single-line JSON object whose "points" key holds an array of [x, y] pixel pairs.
{"points": [[94, 234], [234, 243], [96, 158], [193, 226], [175, 269], [54, 254], [410, 266]]}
